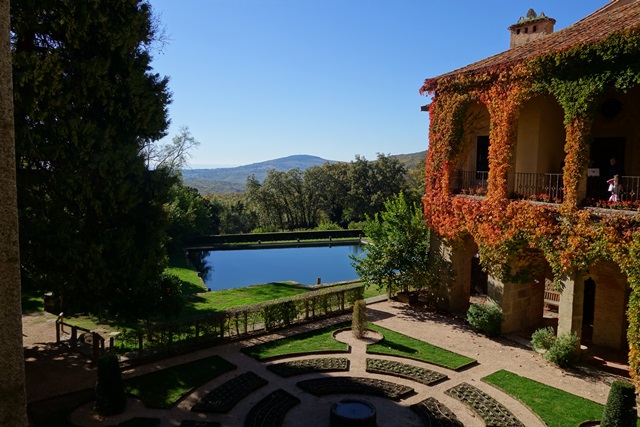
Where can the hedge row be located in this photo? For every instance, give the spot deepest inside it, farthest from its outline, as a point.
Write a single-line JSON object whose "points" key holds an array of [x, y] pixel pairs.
{"points": [[237, 322], [274, 237]]}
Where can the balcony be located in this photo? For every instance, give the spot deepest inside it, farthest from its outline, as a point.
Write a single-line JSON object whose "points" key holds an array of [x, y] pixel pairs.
{"points": [[628, 197], [542, 187], [548, 188], [470, 182]]}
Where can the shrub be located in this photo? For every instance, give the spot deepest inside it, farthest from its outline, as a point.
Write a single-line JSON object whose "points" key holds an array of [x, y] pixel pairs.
{"points": [[359, 319], [109, 388], [326, 225], [543, 339], [563, 350], [356, 225], [620, 409], [486, 317]]}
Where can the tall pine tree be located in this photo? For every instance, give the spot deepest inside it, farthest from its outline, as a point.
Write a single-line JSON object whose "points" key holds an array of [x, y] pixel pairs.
{"points": [[86, 104]]}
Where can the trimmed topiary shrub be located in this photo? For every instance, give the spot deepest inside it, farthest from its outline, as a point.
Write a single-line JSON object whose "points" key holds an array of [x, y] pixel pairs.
{"points": [[563, 350], [109, 388], [359, 318], [543, 339], [620, 410], [486, 317]]}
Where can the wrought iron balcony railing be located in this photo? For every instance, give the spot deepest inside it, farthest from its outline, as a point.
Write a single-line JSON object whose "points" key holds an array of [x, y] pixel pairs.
{"points": [[470, 182], [546, 187]]}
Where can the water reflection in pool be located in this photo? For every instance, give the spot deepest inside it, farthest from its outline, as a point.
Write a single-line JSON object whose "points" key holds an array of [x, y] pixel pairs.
{"points": [[224, 269]]}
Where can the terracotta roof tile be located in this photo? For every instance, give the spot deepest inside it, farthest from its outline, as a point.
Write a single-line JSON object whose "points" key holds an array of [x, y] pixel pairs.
{"points": [[600, 24]]}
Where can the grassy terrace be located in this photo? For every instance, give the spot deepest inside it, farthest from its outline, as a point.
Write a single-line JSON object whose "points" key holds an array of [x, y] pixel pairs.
{"points": [[163, 389], [396, 344], [321, 340], [555, 407], [316, 341]]}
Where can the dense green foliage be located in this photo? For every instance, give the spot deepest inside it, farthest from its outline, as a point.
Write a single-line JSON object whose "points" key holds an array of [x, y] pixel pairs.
{"points": [[92, 220], [398, 256], [620, 410], [109, 388], [486, 317], [334, 194], [190, 215], [235, 216]]}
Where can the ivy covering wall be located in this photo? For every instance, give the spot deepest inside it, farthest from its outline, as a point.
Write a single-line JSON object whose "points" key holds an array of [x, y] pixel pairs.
{"points": [[515, 236]]}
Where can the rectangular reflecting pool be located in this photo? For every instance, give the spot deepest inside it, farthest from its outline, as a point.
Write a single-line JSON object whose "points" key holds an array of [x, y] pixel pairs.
{"points": [[225, 269]]}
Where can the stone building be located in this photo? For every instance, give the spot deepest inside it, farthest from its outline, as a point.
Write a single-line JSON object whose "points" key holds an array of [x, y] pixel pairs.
{"points": [[521, 148]]}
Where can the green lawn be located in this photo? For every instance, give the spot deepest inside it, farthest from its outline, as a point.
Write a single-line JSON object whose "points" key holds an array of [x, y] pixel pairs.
{"points": [[373, 291], [32, 303], [396, 344], [227, 298], [162, 389], [319, 340], [555, 407]]}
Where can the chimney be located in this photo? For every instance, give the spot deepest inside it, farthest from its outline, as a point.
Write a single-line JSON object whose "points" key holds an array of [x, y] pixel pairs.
{"points": [[530, 28]]}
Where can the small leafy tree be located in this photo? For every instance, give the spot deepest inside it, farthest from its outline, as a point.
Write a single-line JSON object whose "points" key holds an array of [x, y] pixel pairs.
{"points": [[359, 319], [620, 410], [398, 256]]}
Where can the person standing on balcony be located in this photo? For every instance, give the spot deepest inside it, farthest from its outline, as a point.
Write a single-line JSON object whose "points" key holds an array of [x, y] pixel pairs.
{"points": [[614, 169], [614, 188]]}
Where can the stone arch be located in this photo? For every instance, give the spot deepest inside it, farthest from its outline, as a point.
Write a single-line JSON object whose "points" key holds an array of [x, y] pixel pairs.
{"points": [[609, 302], [468, 175]]}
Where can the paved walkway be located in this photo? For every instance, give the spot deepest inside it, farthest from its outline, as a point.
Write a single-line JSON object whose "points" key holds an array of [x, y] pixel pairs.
{"points": [[443, 331]]}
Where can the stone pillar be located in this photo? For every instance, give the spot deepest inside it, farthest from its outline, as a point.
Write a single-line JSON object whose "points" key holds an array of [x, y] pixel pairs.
{"points": [[611, 298], [455, 284], [571, 304], [516, 301]]}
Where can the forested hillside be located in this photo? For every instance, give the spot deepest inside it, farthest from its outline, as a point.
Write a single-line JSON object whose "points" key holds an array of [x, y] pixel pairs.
{"points": [[234, 180]]}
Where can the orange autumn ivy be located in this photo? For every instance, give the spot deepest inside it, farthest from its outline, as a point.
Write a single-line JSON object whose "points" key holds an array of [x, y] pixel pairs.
{"points": [[513, 236]]}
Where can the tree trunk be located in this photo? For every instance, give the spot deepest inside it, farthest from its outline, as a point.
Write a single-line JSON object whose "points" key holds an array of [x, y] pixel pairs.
{"points": [[13, 402]]}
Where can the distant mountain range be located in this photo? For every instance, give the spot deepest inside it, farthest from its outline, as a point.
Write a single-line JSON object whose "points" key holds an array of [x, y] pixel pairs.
{"points": [[233, 180]]}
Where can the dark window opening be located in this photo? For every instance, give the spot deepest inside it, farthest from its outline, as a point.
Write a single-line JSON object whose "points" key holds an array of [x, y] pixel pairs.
{"points": [[535, 28], [526, 30]]}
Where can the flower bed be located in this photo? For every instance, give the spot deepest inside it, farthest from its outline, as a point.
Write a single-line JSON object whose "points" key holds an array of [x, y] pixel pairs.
{"points": [[223, 398], [490, 410], [355, 385], [305, 366], [404, 370], [271, 410], [435, 414]]}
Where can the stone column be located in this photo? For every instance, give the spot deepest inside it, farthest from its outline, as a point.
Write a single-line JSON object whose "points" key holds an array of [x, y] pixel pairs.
{"points": [[571, 304], [515, 300], [455, 284]]}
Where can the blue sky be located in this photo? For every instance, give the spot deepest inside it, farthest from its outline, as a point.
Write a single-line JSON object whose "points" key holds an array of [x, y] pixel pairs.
{"points": [[255, 80]]}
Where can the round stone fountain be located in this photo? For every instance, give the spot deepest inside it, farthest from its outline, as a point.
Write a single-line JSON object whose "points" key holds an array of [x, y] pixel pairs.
{"points": [[353, 413]]}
